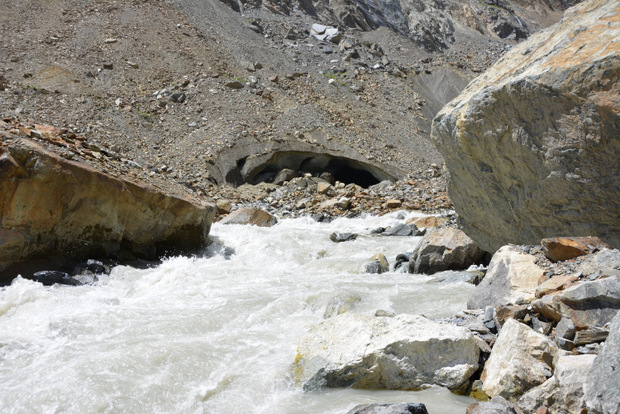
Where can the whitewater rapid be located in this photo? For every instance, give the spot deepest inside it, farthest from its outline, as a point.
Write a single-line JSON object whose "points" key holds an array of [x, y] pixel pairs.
{"points": [[213, 334]]}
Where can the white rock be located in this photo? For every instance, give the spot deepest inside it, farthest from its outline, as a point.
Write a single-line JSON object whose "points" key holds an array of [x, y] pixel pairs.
{"points": [[404, 352], [512, 275], [521, 359]]}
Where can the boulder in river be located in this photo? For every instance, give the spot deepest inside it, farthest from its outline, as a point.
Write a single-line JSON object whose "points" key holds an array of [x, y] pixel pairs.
{"points": [[404, 352], [532, 144], [54, 208], [250, 216], [444, 249]]}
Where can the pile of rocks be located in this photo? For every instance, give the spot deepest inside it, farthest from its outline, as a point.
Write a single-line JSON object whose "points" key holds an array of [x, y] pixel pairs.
{"points": [[539, 336], [324, 198]]}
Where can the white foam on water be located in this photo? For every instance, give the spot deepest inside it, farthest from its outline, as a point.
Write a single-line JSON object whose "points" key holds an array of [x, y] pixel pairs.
{"points": [[209, 335]]}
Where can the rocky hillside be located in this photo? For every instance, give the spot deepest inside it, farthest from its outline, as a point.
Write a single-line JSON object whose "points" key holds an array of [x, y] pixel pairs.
{"points": [[206, 93]]}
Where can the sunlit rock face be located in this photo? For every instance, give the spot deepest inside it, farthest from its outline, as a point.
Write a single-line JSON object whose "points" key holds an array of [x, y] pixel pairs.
{"points": [[51, 207], [532, 145]]}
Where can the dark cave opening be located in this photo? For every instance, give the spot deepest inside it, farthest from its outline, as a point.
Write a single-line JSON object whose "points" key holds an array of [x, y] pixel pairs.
{"points": [[342, 169]]}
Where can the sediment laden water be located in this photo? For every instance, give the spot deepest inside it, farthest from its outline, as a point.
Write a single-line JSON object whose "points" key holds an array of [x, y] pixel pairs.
{"points": [[208, 335]]}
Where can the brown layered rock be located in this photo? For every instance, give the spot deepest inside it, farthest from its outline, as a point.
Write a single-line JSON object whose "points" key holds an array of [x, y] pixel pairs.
{"points": [[53, 208], [532, 144], [566, 248]]}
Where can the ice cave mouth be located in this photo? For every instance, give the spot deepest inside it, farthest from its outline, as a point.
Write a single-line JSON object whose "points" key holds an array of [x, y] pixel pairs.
{"points": [[255, 170]]}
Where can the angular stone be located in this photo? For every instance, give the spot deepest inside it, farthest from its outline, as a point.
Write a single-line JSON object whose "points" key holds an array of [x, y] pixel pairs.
{"points": [[511, 276], [505, 312], [393, 203], [223, 206], [554, 284], [521, 359], [601, 390], [403, 352], [590, 336], [323, 188], [444, 249], [251, 216], [562, 393], [550, 169], [565, 329], [603, 263], [591, 303], [565, 248]]}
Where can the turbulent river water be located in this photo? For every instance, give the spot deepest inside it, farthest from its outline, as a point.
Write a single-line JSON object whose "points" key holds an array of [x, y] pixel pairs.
{"points": [[213, 334]]}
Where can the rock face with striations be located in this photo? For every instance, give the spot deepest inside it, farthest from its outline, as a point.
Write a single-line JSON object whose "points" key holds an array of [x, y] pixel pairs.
{"points": [[51, 207], [532, 145]]}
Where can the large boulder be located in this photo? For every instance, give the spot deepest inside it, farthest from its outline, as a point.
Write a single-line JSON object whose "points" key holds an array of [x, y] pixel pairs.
{"points": [[405, 352], [532, 144], [54, 208], [602, 392], [512, 277], [520, 360], [444, 248]]}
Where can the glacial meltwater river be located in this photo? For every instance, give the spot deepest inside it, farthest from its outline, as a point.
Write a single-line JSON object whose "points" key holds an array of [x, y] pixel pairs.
{"points": [[209, 335]]}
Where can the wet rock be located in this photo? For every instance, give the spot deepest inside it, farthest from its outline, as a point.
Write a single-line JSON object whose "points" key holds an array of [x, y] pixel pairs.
{"points": [[251, 216], [342, 237], [404, 408], [521, 359], [497, 405], [402, 230], [402, 259], [566, 248], [526, 184], [385, 353], [444, 249], [340, 304], [602, 394], [452, 276], [512, 276], [378, 264], [52, 277], [50, 207]]}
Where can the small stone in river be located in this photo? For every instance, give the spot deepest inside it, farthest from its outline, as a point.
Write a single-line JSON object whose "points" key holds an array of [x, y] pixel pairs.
{"points": [[342, 237]]}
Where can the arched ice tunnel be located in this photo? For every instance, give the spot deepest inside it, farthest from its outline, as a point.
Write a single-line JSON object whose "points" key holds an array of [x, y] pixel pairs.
{"points": [[345, 166]]}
